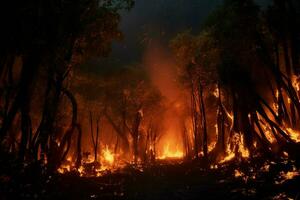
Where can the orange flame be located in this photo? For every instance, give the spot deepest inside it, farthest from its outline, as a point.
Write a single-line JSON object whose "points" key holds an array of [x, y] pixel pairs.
{"points": [[239, 143], [108, 155], [169, 153], [295, 135]]}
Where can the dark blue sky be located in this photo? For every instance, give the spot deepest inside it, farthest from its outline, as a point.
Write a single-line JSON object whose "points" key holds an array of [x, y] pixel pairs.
{"points": [[157, 20]]}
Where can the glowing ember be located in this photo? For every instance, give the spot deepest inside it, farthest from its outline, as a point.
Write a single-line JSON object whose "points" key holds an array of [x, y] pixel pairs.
{"points": [[239, 144], [284, 176], [69, 159], [229, 157], [108, 155], [216, 92], [64, 168], [230, 115], [80, 170], [238, 173], [295, 135], [296, 83], [168, 153], [242, 149], [285, 154], [213, 166], [265, 168], [290, 175], [211, 146], [269, 135]]}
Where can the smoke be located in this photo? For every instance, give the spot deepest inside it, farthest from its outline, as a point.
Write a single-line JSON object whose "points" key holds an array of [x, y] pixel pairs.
{"points": [[161, 68]]}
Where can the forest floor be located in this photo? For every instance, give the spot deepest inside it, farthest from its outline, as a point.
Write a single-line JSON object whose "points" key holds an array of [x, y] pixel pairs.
{"points": [[258, 179]]}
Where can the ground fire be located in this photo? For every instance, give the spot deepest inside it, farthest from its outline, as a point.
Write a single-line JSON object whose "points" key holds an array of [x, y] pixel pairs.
{"points": [[194, 99]]}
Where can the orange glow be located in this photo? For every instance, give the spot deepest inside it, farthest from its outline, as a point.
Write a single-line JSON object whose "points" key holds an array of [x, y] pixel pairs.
{"points": [[238, 173], [296, 83], [229, 157], [170, 153], [211, 146], [174, 137], [216, 92], [242, 149], [64, 168], [284, 176], [239, 144], [295, 135], [108, 155]]}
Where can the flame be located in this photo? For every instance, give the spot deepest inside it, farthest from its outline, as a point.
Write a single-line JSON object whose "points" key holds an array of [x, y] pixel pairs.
{"points": [[296, 83], [284, 176], [269, 135], [275, 107], [168, 153], [108, 156], [170, 147], [239, 143], [212, 146], [107, 163], [238, 173], [290, 175], [277, 94], [295, 135], [64, 168], [242, 149], [229, 157], [81, 170], [216, 92], [229, 115], [69, 159], [267, 130]]}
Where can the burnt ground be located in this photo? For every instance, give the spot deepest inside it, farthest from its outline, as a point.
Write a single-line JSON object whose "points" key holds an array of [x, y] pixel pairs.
{"points": [[259, 179]]}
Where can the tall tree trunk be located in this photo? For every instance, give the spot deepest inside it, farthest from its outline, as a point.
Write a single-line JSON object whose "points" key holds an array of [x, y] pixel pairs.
{"points": [[49, 115], [287, 61], [135, 135], [31, 62], [221, 146], [204, 126], [97, 140], [79, 138], [195, 122], [93, 138], [294, 35]]}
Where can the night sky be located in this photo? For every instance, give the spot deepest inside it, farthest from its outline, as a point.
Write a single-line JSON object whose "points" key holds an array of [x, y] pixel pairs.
{"points": [[159, 21]]}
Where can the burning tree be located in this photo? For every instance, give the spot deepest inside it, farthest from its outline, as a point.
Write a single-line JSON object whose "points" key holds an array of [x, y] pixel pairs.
{"points": [[244, 83], [131, 109], [131, 102], [41, 43], [197, 58]]}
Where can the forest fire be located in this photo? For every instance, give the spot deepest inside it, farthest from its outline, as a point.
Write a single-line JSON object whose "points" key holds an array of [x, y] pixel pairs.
{"points": [[238, 149], [108, 156], [90, 167], [169, 153], [295, 135], [170, 114]]}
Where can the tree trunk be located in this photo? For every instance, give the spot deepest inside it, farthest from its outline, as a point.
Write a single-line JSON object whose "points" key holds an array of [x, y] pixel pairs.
{"points": [[97, 140], [195, 122], [135, 135], [221, 146], [31, 63], [204, 126]]}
